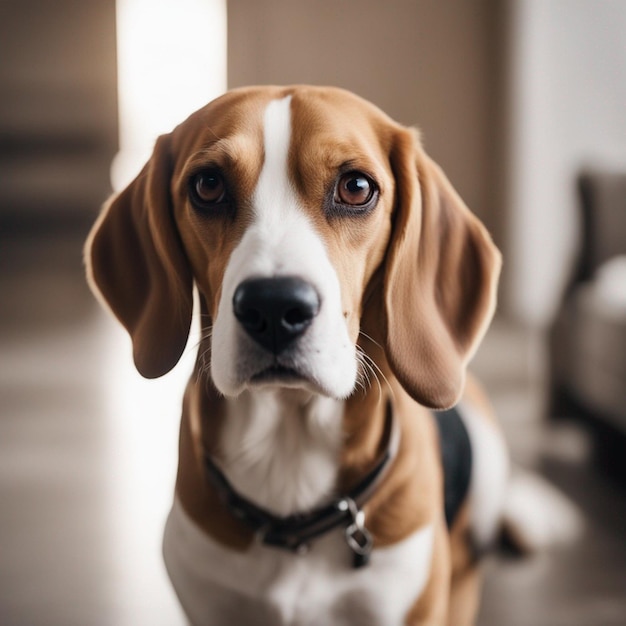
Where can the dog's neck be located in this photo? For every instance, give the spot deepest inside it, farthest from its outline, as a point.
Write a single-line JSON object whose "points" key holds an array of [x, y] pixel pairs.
{"points": [[284, 451], [281, 448], [289, 450]]}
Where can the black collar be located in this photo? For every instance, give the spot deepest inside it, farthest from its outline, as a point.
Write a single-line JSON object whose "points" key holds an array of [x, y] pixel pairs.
{"points": [[296, 532]]}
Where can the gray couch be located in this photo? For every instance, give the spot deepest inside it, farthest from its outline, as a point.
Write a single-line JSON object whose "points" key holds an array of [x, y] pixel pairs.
{"points": [[588, 338]]}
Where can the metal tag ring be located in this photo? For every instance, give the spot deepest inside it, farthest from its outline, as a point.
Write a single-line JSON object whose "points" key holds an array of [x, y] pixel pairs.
{"points": [[359, 539]]}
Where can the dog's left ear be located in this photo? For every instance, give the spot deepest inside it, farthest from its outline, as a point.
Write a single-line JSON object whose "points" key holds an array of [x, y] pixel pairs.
{"points": [[441, 273], [136, 262]]}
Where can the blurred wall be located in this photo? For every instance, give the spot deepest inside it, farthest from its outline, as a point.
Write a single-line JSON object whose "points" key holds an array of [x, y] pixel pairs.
{"points": [[58, 110], [426, 63], [567, 105]]}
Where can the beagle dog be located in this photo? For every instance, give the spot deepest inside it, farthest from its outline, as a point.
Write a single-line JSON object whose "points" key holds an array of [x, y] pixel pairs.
{"points": [[343, 287]]}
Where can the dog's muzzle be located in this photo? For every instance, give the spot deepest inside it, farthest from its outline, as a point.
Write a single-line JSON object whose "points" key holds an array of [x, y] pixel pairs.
{"points": [[275, 311]]}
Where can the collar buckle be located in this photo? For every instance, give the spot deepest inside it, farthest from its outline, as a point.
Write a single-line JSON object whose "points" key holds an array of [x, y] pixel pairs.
{"points": [[358, 538]]}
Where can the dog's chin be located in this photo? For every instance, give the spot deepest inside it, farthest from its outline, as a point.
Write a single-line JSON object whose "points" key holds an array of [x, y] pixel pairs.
{"points": [[279, 377]]}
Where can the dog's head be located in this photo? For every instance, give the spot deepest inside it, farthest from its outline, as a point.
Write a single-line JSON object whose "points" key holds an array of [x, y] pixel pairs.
{"points": [[292, 209]]}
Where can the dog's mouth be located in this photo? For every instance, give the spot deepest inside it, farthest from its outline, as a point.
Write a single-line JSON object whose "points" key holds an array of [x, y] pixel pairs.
{"points": [[283, 376], [278, 374]]}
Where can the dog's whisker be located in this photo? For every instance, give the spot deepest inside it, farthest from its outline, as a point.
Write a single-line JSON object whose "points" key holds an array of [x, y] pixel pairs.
{"points": [[367, 371], [382, 375], [359, 382], [362, 382], [204, 354], [370, 338], [373, 367], [364, 369], [206, 335]]}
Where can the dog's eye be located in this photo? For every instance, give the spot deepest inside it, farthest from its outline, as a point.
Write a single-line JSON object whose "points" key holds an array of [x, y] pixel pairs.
{"points": [[207, 188], [354, 189]]}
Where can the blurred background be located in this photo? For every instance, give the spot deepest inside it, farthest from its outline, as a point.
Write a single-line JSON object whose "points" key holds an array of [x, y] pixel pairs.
{"points": [[523, 104]]}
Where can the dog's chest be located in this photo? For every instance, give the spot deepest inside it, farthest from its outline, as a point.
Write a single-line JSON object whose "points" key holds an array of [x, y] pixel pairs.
{"points": [[270, 587], [281, 457]]}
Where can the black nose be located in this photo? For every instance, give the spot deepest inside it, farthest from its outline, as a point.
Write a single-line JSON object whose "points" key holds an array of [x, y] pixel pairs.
{"points": [[275, 311]]}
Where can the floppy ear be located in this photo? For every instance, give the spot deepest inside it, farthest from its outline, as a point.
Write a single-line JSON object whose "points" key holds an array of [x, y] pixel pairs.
{"points": [[135, 261], [440, 280]]}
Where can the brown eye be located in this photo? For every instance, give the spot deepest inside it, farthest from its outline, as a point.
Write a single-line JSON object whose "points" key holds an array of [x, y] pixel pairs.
{"points": [[354, 189], [208, 188]]}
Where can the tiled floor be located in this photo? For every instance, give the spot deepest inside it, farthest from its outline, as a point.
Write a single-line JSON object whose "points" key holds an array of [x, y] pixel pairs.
{"points": [[87, 462]]}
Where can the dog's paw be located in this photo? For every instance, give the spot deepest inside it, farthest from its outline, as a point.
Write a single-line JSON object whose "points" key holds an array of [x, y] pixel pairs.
{"points": [[536, 515]]}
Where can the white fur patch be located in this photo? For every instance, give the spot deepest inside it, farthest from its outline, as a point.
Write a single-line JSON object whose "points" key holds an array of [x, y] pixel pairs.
{"points": [[280, 449], [270, 587], [281, 241], [490, 475], [536, 515]]}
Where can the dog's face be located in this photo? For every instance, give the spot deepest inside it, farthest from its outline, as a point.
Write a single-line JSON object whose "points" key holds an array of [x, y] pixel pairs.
{"points": [[291, 210], [301, 221]]}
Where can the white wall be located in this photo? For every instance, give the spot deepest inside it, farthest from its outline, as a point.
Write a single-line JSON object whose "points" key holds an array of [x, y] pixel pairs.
{"points": [[168, 65], [567, 95]]}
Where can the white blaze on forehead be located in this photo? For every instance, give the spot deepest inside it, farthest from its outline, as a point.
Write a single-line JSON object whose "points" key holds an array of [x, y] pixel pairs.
{"points": [[283, 234], [274, 190]]}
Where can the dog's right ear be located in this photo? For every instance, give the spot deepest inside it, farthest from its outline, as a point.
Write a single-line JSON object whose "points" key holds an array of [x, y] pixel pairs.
{"points": [[135, 262]]}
